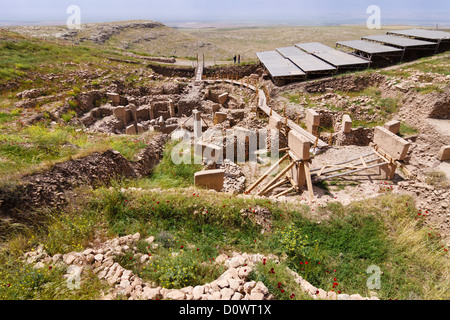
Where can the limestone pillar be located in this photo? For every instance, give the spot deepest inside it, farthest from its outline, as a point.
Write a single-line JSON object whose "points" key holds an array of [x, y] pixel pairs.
{"points": [[346, 124], [197, 124], [312, 122], [171, 109], [133, 109]]}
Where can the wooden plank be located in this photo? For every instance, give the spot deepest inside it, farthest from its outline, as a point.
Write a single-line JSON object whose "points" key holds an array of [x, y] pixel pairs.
{"points": [[308, 180], [278, 184], [402, 166], [254, 185], [294, 126], [282, 173], [337, 168], [363, 162], [285, 192], [337, 164], [382, 156], [347, 173]]}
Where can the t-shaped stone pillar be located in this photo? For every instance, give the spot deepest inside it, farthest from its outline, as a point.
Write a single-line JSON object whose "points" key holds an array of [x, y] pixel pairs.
{"points": [[133, 109], [312, 121], [197, 123], [114, 97], [299, 150], [152, 112], [346, 124], [121, 114], [393, 126], [171, 109]]}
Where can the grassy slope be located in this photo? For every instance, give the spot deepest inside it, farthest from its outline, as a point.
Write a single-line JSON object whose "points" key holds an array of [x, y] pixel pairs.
{"points": [[386, 231], [28, 62]]}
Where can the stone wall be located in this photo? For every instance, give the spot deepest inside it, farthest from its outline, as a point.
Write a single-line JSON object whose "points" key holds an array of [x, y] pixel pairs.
{"points": [[358, 137], [233, 284], [172, 71]]}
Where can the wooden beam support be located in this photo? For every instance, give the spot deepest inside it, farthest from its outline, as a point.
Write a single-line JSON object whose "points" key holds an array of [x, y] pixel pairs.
{"points": [[363, 162], [282, 173], [308, 180], [353, 171], [369, 154], [266, 174], [278, 184], [285, 192]]}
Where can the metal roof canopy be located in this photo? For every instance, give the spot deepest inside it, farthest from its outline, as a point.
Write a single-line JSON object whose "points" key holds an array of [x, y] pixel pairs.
{"points": [[313, 47], [370, 50], [279, 66], [334, 57], [434, 35], [369, 47], [405, 43], [305, 61]]}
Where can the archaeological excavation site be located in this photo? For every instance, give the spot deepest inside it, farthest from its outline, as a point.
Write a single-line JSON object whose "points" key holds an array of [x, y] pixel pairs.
{"points": [[306, 173]]}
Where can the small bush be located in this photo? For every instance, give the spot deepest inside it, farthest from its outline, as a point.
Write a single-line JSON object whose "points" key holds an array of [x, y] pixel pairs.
{"points": [[68, 116]]}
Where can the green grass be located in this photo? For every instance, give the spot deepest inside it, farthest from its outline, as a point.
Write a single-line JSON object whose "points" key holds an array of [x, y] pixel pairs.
{"points": [[19, 57], [376, 232], [6, 117], [403, 72], [30, 148], [381, 231], [432, 65], [437, 179], [279, 281], [175, 266], [407, 130], [429, 89], [293, 98], [383, 108], [170, 175], [129, 146], [20, 281]]}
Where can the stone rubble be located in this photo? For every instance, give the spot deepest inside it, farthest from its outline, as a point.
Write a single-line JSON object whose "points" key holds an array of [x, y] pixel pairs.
{"points": [[233, 284], [234, 178]]}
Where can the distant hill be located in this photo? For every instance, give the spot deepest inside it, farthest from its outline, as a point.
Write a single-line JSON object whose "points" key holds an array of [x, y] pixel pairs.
{"points": [[140, 36]]}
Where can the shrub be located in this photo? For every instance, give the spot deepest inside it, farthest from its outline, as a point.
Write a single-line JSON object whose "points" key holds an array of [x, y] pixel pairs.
{"points": [[68, 116]]}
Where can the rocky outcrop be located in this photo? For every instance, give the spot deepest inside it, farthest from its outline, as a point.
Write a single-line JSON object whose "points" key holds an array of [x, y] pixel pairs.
{"points": [[104, 33]]}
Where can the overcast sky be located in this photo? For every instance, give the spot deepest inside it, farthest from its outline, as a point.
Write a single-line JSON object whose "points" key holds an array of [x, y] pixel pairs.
{"points": [[238, 11]]}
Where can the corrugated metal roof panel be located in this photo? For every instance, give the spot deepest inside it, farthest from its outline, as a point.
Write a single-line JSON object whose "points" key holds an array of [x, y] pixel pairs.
{"points": [[368, 47], [277, 65], [398, 41], [305, 61]]}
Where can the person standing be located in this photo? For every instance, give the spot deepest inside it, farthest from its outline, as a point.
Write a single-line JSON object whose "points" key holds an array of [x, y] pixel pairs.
{"points": [[239, 59], [234, 58]]}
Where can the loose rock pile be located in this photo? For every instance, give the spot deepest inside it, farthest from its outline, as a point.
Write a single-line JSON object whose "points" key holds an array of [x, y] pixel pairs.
{"points": [[234, 179]]}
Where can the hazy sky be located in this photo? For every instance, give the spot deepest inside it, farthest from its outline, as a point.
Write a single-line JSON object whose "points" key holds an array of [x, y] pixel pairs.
{"points": [[269, 11]]}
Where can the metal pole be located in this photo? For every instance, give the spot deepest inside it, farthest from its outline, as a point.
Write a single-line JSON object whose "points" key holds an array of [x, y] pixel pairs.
{"points": [[346, 173], [337, 164]]}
